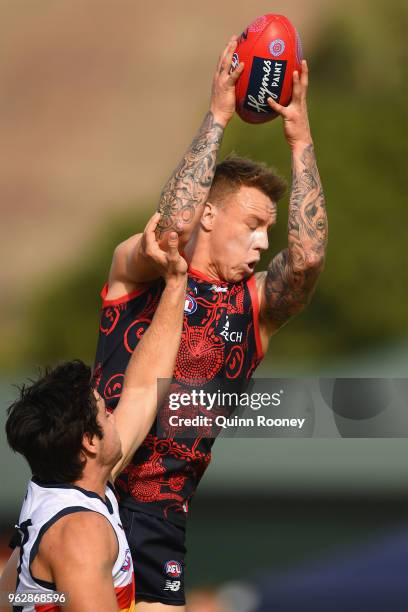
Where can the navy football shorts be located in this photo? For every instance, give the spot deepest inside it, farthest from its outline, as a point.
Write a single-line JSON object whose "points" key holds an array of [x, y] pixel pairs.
{"points": [[158, 551]]}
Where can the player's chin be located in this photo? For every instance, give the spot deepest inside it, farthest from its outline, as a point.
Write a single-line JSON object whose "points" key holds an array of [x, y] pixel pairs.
{"points": [[242, 274]]}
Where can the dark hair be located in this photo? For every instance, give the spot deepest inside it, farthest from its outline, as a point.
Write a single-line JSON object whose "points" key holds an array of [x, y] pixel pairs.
{"points": [[236, 171], [47, 423]]}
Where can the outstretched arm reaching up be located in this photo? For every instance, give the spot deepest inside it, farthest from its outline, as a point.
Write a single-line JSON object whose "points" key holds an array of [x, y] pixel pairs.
{"points": [[185, 193], [291, 278], [137, 407]]}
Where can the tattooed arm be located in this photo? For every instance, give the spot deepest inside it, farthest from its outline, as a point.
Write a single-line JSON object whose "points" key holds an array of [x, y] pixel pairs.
{"points": [[185, 193], [287, 286]]}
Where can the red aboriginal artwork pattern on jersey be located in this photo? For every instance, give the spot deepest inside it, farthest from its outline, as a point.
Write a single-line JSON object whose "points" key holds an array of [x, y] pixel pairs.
{"points": [[152, 480], [220, 339]]}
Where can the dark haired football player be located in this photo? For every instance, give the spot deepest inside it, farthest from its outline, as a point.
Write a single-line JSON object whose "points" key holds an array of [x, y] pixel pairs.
{"points": [[223, 214], [72, 540]]}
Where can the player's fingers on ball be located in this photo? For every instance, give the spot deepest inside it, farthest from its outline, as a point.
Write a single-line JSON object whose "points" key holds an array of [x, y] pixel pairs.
{"points": [[276, 107], [233, 41], [226, 49], [297, 87], [228, 52], [235, 74], [304, 79], [222, 58], [219, 63]]}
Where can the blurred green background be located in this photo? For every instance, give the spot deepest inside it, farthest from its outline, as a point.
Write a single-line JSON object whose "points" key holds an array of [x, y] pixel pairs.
{"points": [[358, 102], [312, 495]]}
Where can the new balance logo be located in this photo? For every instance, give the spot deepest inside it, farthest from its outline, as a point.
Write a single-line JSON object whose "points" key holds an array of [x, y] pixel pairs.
{"points": [[172, 585]]}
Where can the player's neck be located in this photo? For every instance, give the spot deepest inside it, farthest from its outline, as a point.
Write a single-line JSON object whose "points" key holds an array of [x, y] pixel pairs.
{"points": [[94, 480], [198, 256]]}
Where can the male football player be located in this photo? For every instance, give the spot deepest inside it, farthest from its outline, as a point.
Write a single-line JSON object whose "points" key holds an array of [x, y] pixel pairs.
{"points": [[72, 541], [222, 214]]}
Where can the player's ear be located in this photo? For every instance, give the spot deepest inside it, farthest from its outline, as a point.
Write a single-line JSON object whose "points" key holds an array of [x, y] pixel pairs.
{"points": [[89, 444], [209, 215]]}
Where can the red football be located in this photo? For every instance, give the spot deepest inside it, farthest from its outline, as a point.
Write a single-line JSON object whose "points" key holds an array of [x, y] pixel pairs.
{"points": [[271, 50]]}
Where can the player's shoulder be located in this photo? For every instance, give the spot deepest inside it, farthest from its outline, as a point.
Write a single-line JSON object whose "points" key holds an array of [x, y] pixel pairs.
{"points": [[80, 533], [84, 522]]}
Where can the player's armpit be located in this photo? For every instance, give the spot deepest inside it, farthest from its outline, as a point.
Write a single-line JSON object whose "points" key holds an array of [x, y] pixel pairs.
{"points": [[81, 552]]}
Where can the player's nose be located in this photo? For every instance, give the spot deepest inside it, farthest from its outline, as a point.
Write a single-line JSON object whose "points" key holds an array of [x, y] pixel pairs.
{"points": [[262, 242]]}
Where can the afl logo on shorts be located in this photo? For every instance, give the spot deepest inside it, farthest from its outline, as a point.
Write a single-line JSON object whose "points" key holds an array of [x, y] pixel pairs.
{"points": [[190, 305], [173, 569]]}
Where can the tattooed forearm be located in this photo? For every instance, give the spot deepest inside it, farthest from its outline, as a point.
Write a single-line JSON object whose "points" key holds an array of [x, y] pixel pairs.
{"points": [[293, 273], [307, 226], [188, 188]]}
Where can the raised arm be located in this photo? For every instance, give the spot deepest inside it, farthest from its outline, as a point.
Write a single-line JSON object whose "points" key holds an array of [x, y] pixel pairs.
{"points": [[291, 278], [155, 355], [185, 193]]}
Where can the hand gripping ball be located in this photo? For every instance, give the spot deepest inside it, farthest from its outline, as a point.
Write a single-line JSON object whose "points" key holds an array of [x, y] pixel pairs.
{"points": [[271, 50]]}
